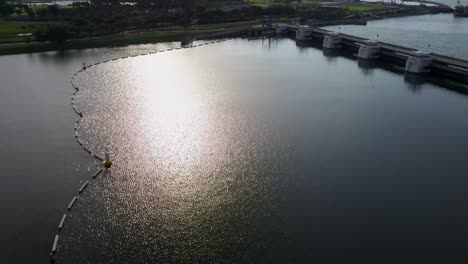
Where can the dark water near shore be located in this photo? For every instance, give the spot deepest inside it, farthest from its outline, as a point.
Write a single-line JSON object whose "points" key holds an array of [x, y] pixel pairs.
{"points": [[41, 165], [441, 33], [244, 152]]}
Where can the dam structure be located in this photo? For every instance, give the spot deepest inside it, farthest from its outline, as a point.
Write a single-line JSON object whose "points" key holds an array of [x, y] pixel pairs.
{"points": [[413, 61], [409, 60]]}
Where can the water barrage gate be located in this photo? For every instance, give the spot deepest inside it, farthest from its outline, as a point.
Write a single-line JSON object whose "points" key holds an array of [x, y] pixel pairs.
{"points": [[411, 61]]}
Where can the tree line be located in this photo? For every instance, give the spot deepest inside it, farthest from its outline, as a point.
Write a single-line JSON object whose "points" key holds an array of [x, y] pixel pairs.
{"points": [[100, 17]]}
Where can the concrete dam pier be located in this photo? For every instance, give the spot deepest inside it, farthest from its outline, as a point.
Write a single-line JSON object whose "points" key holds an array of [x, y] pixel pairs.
{"points": [[412, 61]]}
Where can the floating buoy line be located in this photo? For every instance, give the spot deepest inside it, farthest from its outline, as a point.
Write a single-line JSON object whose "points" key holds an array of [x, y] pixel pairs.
{"points": [[106, 161]]}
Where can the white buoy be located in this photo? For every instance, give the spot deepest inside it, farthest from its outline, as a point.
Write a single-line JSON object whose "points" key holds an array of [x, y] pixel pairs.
{"points": [[54, 246], [419, 62], [83, 187], [62, 222], [70, 205]]}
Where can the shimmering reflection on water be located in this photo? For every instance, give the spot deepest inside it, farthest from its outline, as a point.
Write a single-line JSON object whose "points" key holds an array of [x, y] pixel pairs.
{"points": [[191, 172], [246, 152]]}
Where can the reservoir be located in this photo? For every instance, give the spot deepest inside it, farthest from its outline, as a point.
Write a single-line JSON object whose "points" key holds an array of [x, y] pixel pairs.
{"points": [[265, 152], [241, 151]]}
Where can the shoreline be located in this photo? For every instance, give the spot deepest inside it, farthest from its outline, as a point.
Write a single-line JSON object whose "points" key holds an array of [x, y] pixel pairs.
{"points": [[100, 42], [156, 36]]}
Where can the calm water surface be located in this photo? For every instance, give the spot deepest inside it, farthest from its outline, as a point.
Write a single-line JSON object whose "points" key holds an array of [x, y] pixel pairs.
{"points": [[41, 165], [244, 152], [441, 33]]}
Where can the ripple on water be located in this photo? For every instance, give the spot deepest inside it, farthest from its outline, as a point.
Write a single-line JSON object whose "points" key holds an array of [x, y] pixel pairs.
{"points": [[193, 175], [264, 152]]}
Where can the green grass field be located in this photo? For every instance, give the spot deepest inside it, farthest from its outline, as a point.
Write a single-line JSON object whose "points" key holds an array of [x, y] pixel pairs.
{"points": [[37, 8], [361, 8], [9, 30], [226, 25], [270, 2]]}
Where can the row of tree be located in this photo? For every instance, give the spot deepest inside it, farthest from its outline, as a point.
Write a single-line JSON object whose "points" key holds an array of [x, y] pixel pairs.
{"points": [[19, 9], [100, 17]]}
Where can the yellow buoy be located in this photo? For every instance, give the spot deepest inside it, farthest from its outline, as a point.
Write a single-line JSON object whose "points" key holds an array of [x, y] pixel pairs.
{"points": [[107, 161]]}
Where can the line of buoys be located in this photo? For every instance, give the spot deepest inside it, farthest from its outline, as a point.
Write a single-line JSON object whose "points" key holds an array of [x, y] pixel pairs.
{"points": [[80, 114], [83, 187], [70, 205], [77, 123], [62, 222], [76, 111], [64, 217]]}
